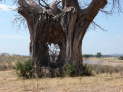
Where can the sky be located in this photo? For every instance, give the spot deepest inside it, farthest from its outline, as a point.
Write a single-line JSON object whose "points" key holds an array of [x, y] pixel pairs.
{"points": [[15, 40]]}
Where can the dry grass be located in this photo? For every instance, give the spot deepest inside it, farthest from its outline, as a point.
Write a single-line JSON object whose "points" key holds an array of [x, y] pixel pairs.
{"points": [[7, 62], [100, 83], [9, 82], [111, 61]]}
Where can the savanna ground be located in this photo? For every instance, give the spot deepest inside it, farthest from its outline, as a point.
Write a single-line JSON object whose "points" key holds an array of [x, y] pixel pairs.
{"points": [[103, 82], [9, 82], [111, 61]]}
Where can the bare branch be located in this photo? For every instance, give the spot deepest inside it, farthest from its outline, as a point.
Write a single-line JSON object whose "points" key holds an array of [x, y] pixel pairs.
{"points": [[116, 4], [46, 4], [106, 12], [98, 26], [41, 3]]}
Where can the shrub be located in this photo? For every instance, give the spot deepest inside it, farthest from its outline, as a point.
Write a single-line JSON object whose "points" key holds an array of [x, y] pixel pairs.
{"points": [[121, 57], [69, 70], [24, 69]]}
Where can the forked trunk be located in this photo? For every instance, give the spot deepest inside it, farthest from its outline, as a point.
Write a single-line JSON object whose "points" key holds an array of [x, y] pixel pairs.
{"points": [[66, 28]]}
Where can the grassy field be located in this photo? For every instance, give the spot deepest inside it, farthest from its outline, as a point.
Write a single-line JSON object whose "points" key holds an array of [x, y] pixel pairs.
{"points": [[7, 62], [103, 82], [9, 82], [111, 61]]}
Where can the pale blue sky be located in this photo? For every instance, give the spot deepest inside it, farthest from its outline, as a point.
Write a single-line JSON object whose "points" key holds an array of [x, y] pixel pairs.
{"points": [[16, 41]]}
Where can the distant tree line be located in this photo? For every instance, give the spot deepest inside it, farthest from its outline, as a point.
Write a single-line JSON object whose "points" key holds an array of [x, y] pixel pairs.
{"points": [[98, 54]]}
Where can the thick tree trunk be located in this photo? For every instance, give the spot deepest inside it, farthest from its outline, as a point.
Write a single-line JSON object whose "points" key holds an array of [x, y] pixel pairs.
{"points": [[74, 56], [74, 36], [40, 57], [73, 45], [65, 28], [70, 22]]}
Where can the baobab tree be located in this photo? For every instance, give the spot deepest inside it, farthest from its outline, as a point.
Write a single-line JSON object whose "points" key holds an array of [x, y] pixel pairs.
{"points": [[62, 22]]}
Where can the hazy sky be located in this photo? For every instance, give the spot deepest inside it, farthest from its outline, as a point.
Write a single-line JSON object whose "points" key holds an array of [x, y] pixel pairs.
{"points": [[16, 41]]}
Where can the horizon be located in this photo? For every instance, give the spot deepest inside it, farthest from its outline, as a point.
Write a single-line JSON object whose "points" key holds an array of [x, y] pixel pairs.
{"points": [[4, 53]]}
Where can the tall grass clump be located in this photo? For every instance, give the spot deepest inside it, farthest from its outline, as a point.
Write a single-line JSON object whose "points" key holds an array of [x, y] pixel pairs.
{"points": [[87, 70], [24, 69]]}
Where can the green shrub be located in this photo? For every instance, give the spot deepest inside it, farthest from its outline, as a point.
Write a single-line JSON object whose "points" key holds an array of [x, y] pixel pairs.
{"points": [[69, 70], [24, 69]]}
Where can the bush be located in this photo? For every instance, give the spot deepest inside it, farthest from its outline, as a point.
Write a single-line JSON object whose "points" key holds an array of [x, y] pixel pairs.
{"points": [[24, 69], [69, 70], [121, 57]]}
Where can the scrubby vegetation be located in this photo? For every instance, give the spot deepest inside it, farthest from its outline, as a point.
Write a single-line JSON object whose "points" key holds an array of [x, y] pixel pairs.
{"points": [[69, 70], [24, 69], [7, 61], [121, 57], [90, 70]]}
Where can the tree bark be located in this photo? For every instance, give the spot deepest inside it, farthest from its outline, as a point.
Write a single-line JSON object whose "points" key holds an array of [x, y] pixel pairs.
{"points": [[75, 25], [66, 28]]}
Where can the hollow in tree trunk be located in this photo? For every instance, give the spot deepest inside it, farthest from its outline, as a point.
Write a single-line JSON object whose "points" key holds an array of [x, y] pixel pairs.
{"points": [[66, 27]]}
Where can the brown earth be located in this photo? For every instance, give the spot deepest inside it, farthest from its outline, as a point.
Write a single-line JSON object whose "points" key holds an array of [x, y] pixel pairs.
{"points": [[9, 82]]}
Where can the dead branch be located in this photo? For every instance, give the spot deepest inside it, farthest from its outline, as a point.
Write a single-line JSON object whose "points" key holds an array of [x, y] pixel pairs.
{"points": [[98, 26]]}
